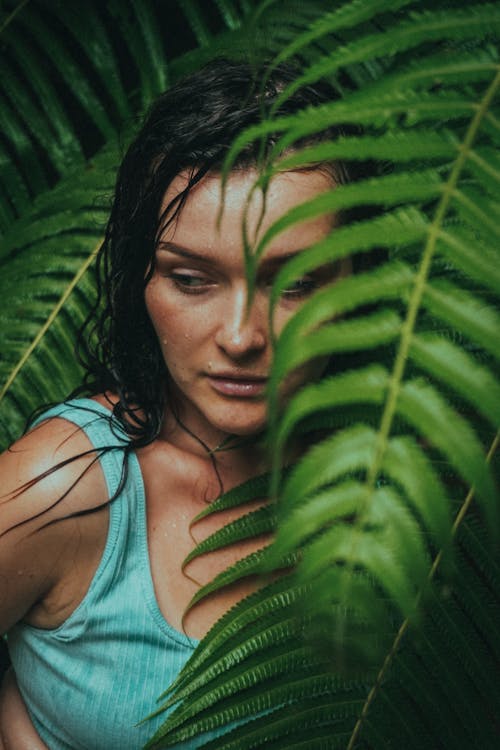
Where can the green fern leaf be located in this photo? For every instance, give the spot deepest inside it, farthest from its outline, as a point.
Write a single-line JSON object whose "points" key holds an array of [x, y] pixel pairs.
{"points": [[256, 523], [322, 510], [345, 17], [247, 566], [478, 211], [465, 313], [241, 677], [140, 29], [429, 413], [366, 386], [88, 26], [254, 488], [373, 331], [386, 563], [388, 282], [484, 166], [196, 20], [407, 465], [273, 598], [423, 27], [14, 132], [394, 146], [31, 64], [63, 58], [383, 191], [450, 364], [343, 453], [229, 13], [283, 658], [471, 256]]}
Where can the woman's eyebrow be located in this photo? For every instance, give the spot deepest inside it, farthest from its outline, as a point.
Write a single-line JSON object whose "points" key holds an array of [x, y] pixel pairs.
{"points": [[265, 263], [276, 261], [172, 247]]}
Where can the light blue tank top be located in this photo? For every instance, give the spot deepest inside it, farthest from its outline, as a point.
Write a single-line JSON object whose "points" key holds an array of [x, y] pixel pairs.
{"points": [[91, 680]]}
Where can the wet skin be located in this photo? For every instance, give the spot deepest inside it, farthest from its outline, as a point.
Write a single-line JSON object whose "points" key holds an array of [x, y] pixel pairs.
{"points": [[218, 352]]}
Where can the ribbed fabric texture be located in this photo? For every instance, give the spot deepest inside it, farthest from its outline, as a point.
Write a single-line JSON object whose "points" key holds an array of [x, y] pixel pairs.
{"points": [[90, 681]]}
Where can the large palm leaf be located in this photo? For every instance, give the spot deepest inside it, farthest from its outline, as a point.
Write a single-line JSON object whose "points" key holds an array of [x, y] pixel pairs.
{"points": [[384, 636]]}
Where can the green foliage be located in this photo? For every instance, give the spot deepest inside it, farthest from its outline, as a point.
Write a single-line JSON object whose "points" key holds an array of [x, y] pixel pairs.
{"points": [[73, 87], [402, 426], [382, 634]]}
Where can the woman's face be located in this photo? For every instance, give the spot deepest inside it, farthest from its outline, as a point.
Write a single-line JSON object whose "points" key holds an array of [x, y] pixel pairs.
{"points": [[219, 354]]}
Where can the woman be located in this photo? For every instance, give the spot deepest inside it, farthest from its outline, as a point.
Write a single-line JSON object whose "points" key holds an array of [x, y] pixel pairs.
{"points": [[100, 493]]}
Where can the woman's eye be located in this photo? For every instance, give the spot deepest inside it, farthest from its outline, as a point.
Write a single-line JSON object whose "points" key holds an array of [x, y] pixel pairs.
{"points": [[189, 282], [301, 287]]}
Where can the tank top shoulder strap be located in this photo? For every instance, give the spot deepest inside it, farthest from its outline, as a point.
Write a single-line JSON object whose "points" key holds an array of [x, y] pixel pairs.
{"points": [[104, 432], [126, 529]]}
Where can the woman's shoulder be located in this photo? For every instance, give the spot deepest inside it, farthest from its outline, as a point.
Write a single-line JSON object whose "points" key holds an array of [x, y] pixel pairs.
{"points": [[50, 471], [50, 483]]}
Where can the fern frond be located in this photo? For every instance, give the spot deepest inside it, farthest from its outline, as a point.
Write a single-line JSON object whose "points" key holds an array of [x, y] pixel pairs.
{"points": [[380, 328], [364, 386], [423, 27], [273, 598], [248, 566], [140, 30], [465, 313], [346, 16], [40, 321], [255, 523], [400, 146], [36, 25], [450, 433], [448, 363], [254, 488], [388, 191], [460, 248], [366, 508], [197, 22]]}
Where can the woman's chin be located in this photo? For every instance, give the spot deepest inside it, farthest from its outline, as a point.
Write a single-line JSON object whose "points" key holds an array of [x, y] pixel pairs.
{"points": [[241, 429]]}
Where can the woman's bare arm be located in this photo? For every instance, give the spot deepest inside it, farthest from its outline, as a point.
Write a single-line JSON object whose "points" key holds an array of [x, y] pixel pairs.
{"points": [[39, 550], [16, 729]]}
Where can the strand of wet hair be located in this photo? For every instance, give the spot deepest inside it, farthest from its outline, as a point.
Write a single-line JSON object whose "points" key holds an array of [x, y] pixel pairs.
{"points": [[209, 451]]}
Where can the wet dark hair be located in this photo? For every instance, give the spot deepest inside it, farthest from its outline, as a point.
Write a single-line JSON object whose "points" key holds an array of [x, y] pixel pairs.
{"points": [[190, 127]]}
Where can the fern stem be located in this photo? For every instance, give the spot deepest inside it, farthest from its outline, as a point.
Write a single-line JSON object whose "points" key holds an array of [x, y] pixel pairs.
{"points": [[406, 623], [421, 279], [409, 326], [53, 315]]}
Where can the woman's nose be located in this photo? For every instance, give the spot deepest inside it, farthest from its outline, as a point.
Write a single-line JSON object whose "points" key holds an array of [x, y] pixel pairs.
{"points": [[243, 329]]}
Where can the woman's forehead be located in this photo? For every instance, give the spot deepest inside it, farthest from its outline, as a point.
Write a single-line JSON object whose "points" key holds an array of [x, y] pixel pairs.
{"points": [[241, 196], [201, 222]]}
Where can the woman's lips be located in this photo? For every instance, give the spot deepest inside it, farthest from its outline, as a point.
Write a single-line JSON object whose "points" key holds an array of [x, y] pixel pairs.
{"points": [[238, 387]]}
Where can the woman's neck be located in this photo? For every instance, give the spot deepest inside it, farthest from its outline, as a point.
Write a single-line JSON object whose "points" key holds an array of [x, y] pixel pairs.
{"points": [[244, 455]]}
